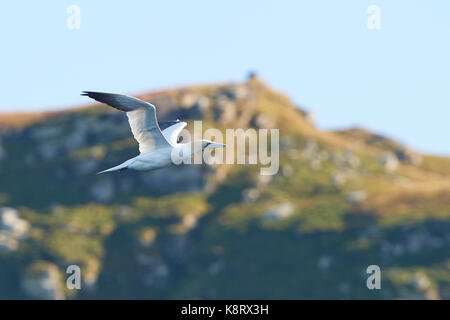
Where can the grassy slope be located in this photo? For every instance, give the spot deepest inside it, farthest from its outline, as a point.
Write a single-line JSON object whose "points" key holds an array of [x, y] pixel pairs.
{"points": [[232, 252]]}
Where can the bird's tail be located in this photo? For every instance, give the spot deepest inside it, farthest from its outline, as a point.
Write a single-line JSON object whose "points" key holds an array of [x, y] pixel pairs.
{"points": [[120, 167]]}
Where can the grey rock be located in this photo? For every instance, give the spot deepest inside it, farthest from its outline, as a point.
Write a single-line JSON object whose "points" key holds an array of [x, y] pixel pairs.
{"points": [[196, 103], [388, 160], [279, 212], [347, 160], [188, 100], [12, 224], [339, 178], [419, 288], [225, 110], [264, 180], [308, 115], [356, 196], [287, 170], [236, 92], [44, 283], [263, 121], [409, 157], [310, 150], [203, 103], [250, 195], [7, 243]]}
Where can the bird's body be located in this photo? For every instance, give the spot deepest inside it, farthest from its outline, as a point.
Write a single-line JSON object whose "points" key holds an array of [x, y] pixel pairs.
{"points": [[152, 160], [147, 161], [157, 148]]}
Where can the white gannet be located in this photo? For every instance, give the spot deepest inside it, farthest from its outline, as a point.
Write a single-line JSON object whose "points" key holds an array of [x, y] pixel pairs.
{"points": [[156, 148]]}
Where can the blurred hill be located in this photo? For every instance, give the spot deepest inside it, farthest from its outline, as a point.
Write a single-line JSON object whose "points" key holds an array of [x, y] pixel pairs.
{"points": [[341, 201]]}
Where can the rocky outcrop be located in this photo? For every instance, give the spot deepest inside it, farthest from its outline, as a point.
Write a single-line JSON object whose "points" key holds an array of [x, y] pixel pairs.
{"points": [[356, 196], [338, 178], [250, 195], [263, 121], [225, 110], [388, 160], [13, 229], [420, 287], [314, 154], [409, 157], [193, 106], [123, 225], [384, 144], [346, 160], [279, 212], [42, 280]]}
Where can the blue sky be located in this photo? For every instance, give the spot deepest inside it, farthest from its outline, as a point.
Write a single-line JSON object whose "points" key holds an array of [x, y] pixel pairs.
{"points": [[394, 80]]}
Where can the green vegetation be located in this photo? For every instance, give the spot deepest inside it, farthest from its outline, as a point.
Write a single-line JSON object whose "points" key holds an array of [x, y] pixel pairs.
{"points": [[224, 231]]}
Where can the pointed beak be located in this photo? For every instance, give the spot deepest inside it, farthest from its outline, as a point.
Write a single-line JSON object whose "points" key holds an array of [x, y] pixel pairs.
{"points": [[216, 145]]}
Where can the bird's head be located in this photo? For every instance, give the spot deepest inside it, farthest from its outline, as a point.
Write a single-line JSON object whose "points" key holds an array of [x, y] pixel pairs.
{"points": [[207, 145]]}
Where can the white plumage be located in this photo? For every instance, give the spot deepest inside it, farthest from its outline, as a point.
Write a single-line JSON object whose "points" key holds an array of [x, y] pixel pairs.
{"points": [[156, 147]]}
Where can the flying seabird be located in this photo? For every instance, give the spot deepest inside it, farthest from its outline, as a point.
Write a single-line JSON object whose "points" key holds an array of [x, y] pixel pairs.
{"points": [[156, 148]]}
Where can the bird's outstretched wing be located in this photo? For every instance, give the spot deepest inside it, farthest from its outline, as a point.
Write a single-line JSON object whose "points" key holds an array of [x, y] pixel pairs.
{"points": [[167, 123], [171, 133], [141, 116]]}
